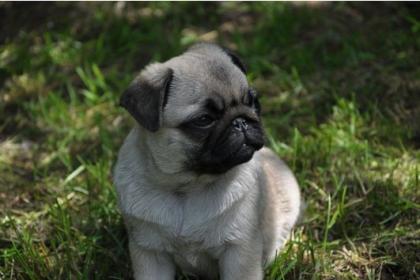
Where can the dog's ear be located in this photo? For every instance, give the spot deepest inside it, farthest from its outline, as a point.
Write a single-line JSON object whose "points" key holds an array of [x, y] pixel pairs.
{"points": [[147, 95], [235, 60]]}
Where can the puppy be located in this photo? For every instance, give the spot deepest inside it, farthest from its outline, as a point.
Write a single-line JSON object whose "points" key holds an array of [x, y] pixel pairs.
{"points": [[197, 189]]}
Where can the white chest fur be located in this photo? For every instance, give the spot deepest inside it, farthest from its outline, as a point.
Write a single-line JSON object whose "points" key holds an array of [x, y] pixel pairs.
{"points": [[202, 219]]}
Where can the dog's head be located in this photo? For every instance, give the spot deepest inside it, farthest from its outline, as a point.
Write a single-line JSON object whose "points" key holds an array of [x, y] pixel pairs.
{"points": [[197, 111]]}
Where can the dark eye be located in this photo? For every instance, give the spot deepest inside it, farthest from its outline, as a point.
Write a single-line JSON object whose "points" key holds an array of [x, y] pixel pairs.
{"points": [[253, 100], [203, 121], [252, 96]]}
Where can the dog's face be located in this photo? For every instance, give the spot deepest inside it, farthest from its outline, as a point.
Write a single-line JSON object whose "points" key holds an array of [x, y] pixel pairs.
{"points": [[198, 111]]}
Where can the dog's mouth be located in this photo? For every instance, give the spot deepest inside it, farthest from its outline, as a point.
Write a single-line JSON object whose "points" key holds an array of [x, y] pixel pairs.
{"points": [[245, 153], [229, 153], [242, 155]]}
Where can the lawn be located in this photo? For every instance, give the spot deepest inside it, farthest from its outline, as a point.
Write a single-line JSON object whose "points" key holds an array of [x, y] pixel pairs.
{"points": [[340, 88]]}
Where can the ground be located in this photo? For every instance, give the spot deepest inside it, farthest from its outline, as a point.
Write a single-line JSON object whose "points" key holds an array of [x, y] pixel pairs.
{"points": [[339, 84]]}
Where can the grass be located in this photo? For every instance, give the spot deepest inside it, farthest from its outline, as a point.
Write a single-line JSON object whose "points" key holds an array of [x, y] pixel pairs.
{"points": [[339, 85]]}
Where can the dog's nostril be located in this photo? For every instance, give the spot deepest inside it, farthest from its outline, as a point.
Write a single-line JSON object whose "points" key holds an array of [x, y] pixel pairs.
{"points": [[240, 124]]}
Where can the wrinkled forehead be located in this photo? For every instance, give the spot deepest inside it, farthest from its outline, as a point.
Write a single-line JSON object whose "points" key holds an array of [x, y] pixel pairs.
{"points": [[198, 81]]}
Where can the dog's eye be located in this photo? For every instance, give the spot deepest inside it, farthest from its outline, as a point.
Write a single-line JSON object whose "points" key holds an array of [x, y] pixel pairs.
{"points": [[203, 121], [252, 97], [253, 100]]}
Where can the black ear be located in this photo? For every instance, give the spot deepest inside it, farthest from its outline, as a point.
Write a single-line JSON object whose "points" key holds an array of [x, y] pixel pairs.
{"points": [[147, 95], [235, 60]]}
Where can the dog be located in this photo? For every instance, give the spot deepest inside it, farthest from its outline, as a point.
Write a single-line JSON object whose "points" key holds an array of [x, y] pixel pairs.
{"points": [[198, 191]]}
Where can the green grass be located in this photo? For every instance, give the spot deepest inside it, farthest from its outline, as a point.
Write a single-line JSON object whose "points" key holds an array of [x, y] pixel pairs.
{"points": [[340, 90]]}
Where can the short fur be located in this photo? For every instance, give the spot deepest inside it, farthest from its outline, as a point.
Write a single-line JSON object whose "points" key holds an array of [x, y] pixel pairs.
{"points": [[185, 203]]}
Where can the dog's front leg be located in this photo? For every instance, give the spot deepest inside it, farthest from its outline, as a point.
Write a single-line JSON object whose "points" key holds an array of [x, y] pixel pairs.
{"points": [[242, 262], [151, 265]]}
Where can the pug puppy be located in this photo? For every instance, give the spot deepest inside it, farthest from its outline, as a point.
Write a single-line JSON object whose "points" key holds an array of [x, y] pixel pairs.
{"points": [[198, 191]]}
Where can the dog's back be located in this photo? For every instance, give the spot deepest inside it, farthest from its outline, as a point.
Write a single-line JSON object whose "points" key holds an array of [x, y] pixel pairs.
{"points": [[281, 202]]}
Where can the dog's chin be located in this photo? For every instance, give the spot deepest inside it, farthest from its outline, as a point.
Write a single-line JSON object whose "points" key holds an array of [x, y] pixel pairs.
{"points": [[222, 165], [243, 155]]}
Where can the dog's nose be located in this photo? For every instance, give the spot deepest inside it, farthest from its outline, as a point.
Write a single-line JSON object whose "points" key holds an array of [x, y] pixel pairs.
{"points": [[239, 124]]}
